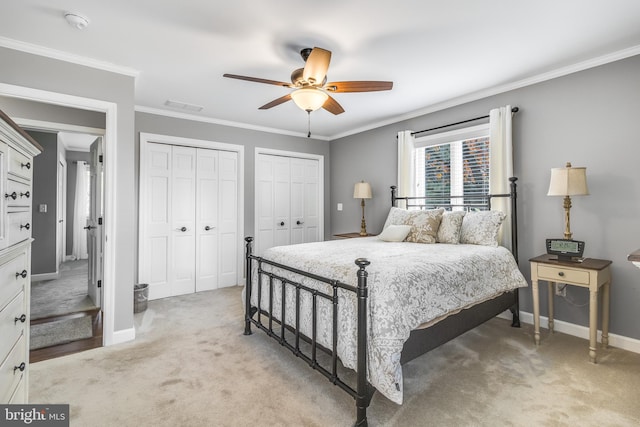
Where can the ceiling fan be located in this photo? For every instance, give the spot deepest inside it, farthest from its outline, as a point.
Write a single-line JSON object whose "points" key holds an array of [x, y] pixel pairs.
{"points": [[311, 87]]}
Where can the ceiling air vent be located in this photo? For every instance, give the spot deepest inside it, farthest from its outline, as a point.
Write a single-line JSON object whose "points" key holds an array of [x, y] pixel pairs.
{"points": [[183, 105]]}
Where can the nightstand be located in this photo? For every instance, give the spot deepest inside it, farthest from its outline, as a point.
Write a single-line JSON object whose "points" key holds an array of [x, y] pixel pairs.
{"points": [[351, 235], [590, 273]]}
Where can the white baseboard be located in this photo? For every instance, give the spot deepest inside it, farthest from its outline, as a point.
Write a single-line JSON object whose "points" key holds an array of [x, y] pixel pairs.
{"points": [[619, 341], [121, 336], [45, 276]]}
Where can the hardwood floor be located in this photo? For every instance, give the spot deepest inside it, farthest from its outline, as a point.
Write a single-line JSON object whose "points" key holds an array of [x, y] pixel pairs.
{"points": [[73, 346]]}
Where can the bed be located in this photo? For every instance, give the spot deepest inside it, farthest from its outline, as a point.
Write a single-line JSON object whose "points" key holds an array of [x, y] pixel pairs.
{"points": [[372, 304]]}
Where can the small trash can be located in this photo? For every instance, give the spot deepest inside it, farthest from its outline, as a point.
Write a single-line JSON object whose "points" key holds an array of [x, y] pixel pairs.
{"points": [[140, 297]]}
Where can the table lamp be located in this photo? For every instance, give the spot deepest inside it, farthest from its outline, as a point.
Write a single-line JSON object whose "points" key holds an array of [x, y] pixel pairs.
{"points": [[362, 190], [568, 181]]}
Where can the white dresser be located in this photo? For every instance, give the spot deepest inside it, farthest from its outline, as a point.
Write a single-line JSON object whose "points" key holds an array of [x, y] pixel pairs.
{"points": [[17, 150]]}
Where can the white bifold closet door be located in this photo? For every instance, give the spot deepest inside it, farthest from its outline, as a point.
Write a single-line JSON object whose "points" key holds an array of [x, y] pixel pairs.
{"points": [[287, 208], [190, 241]]}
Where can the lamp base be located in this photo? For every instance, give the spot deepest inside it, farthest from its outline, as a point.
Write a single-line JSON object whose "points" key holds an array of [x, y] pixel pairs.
{"points": [[363, 225]]}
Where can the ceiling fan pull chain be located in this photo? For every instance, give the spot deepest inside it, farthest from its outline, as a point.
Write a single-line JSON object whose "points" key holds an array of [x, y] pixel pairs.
{"points": [[309, 123]]}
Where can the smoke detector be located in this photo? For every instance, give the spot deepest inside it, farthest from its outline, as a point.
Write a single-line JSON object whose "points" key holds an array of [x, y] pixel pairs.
{"points": [[76, 20]]}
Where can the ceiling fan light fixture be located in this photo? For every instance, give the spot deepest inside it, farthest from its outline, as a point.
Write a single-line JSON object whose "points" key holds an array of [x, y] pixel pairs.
{"points": [[309, 99]]}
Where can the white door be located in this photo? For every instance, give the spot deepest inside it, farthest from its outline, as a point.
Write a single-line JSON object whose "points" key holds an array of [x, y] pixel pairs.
{"points": [[287, 201], [183, 208], [228, 203], [61, 213], [207, 230], [156, 245], [95, 230]]}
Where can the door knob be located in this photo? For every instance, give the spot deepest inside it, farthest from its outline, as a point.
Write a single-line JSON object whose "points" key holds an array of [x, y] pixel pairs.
{"points": [[207, 228], [281, 223], [183, 229], [299, 222]]}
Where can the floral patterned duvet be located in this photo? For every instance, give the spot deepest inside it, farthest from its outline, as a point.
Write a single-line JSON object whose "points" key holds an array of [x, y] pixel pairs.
{"points": [[409, 284]]}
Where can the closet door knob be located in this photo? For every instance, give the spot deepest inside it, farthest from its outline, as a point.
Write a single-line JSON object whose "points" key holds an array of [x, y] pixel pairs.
{"points": [[21, 319], [207, 228], [21, 367], [23, 274], [12, 195], [299, 222], [183, 229], [27, 226], [25, 165], [282, 223]]}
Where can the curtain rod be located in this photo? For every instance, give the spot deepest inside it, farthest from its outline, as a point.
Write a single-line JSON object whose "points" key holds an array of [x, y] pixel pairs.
{"points": [[513, 110]]}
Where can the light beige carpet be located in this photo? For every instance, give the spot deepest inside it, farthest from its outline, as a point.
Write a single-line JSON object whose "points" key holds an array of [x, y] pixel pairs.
{"points": [[190, 365]]}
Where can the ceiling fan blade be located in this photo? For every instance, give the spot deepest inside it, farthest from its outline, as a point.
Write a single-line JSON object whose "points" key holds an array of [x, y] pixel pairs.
{"points": [[276, 102], [332, 106], [360, 86], [257, 80], [315, 69]]}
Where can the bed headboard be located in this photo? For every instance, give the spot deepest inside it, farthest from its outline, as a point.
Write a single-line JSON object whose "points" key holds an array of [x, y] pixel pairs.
{"points": [[475, 202]]}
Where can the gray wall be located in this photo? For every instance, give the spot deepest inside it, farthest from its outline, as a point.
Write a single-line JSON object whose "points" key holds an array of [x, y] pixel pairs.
{"points": [[72, 168], [32, 71], [589, 118], [250, 139], [45, 176], [20, 108]]}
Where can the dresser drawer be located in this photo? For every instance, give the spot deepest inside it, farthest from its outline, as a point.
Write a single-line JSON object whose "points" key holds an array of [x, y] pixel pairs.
{"points": [[19, 164], [10, 328], [562, 274], [17, 194], [10, 371], [11, 280], [18, 397], [18, 227]]}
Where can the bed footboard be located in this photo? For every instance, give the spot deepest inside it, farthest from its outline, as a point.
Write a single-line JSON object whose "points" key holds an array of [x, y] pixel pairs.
{"points": [[291, 336]]}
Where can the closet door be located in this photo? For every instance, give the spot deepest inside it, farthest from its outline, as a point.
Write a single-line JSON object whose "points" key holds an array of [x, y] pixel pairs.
{"points": [[183, 208], [207, 230], [265, 216], [282, 200], [311, 196], [228, 214]]}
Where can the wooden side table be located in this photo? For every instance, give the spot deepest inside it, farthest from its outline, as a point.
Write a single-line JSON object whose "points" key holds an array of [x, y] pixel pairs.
{"points": [[590, 273], [351, 235]]}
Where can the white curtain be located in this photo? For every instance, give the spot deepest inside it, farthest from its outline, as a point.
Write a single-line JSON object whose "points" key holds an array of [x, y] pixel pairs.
{"points": [[501, 166], [80, 213], [406, 164]]}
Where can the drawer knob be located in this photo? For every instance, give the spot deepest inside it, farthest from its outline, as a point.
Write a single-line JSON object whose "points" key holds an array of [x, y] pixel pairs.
{"points": [[27, 195], [22, 274], [27, 226], [13, 195], [25, 165], [21, 319], [20, 367], [561, 273]]}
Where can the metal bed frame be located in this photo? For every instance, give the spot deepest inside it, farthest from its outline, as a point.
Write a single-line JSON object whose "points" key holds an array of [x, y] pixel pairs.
{"points": [[420, 341]]}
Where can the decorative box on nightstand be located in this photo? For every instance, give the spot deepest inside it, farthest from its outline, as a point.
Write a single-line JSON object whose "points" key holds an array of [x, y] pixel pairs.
{"points": [[589, 273]]}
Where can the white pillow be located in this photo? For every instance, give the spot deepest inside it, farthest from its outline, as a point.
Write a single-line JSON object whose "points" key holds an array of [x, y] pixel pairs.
{"points": [[394, 233], [481, 227], [450, 226]]}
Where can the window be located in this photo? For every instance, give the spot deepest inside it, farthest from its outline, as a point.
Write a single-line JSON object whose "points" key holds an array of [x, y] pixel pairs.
{"points": [[453, 167]]}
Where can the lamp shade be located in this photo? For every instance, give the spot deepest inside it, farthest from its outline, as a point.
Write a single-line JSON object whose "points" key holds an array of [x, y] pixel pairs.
{"points": [[568, 181], [362, 190], [309, 99]]}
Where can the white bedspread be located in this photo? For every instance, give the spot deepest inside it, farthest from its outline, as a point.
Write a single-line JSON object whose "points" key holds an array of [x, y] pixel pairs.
{"points": [[409, 284]]}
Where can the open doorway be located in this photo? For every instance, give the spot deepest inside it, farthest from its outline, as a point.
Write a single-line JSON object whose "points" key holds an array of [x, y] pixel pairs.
{"points": [[66, 289]]}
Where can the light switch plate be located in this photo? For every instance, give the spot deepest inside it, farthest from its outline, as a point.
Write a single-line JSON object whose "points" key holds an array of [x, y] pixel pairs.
{"points": [[339, 206], [42, 208]]}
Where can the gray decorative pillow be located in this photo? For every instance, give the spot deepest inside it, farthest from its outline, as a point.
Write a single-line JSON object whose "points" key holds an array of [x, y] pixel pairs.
{"points": [[481, 228], [450, 226], [424, 225]]}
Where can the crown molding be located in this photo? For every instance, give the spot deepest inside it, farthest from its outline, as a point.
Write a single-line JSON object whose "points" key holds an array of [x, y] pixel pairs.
{"points": [[186, 116], [485, 93], [67, 57]]}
